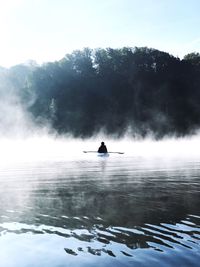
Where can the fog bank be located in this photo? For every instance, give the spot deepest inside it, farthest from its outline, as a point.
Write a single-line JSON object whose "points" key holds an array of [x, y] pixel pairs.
{"points": [[52, 148]]}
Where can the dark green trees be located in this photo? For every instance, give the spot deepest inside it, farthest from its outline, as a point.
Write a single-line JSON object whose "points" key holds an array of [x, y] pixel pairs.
{"points": [[137, 89]]}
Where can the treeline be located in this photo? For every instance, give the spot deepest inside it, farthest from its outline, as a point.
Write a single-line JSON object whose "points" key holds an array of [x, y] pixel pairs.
{"points": [[139, 90]]}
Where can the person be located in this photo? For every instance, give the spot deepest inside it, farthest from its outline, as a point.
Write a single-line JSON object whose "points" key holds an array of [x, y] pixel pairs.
{"points": [[102, 148]]}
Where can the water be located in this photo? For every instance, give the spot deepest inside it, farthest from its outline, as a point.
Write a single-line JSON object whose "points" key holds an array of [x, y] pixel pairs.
{"points": [[124, 210]]}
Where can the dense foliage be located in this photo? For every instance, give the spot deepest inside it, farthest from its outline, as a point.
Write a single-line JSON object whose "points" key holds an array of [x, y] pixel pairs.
{"points": [[139, 90]]}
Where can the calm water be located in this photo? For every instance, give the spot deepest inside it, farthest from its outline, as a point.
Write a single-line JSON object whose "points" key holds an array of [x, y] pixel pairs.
{"points": [[91, 211]]}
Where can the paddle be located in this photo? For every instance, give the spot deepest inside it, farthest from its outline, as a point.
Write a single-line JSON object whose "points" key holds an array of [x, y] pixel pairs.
{"points": [[107, 152]]}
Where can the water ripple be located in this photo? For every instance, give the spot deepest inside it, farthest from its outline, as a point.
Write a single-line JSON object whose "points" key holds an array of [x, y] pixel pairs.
{"points": [[114, 241]]}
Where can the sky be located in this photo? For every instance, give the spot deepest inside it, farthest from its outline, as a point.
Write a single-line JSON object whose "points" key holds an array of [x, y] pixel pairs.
{"points": [[46, 30]]}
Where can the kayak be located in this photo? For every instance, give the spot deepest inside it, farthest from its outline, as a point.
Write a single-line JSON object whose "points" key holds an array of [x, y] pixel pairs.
{"points": [[103, 155]]}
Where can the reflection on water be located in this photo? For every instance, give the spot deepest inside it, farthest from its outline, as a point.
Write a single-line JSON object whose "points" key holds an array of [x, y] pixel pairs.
{"points": [[117, 211]]}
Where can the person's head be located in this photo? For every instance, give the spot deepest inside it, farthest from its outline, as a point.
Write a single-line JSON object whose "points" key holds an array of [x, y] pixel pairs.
{"points": [[102, 143]]}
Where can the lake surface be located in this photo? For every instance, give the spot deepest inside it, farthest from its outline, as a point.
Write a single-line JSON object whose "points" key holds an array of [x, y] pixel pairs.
{"points": [[89, 211]]}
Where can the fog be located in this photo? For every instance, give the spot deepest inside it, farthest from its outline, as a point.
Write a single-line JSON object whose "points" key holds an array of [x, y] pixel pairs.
{"points": [[22, 139], [46, 147], [57, 200]]}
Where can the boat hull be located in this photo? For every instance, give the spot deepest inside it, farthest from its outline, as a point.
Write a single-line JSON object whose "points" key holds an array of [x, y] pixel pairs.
{"points": [[103, 155]]}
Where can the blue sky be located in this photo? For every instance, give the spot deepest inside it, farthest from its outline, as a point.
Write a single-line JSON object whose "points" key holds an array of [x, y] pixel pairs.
{"points": [[46, 30]]}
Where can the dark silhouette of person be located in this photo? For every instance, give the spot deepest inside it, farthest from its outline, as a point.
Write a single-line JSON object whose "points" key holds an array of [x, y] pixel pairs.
{"points": [[102, 148]]}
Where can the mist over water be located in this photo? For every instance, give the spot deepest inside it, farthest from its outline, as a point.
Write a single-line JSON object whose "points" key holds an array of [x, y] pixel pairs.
{"points": [[60, 206], [41, 146]]}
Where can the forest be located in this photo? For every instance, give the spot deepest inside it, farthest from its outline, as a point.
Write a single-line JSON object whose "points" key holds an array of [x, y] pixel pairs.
{"points": [[138, 90]]}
